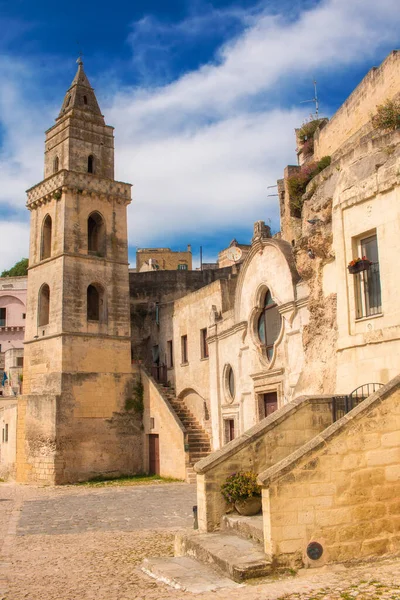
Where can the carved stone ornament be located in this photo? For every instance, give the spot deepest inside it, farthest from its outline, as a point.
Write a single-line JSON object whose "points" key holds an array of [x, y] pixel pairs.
{"points": [[261, 231]]}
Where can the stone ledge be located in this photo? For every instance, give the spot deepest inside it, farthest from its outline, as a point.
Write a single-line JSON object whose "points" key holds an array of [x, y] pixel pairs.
{"points": [[255, 432], [85, 182], [287, 464]]}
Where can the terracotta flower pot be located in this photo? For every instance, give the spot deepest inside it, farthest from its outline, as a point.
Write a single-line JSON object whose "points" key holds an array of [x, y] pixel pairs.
{"points": [[249, 506]]}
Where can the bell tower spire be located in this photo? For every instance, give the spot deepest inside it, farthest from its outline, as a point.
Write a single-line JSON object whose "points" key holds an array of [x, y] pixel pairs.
{"points": [[80, 140], [81, 97]]}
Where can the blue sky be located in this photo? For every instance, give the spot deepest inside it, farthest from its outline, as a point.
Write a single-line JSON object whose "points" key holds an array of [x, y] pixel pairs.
{"points": [[204, 97]]}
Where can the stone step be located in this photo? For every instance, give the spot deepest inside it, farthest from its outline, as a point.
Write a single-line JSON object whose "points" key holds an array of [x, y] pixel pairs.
{"points": [[186, 574], [199, 441], [246, 527], [198, 444], [196, 429], [238, 558]]}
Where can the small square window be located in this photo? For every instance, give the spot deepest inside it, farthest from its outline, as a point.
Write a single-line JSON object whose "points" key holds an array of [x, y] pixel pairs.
{"points": [[20, 361], [24, 316]]}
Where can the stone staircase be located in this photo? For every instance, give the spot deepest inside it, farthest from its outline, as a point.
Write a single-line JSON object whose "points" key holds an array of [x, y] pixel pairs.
{"points": [[208, 561], [197, 438]]}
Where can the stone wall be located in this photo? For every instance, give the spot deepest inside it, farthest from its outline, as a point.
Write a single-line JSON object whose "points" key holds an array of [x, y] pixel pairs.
{"points": [[379, 84], [342, 489], [263, 445], [160, 419], [157, 290], [79, 434]]}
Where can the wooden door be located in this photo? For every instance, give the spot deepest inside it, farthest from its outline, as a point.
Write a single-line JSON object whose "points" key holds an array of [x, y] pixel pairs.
{"points": [[154, 454], [270, 403]]}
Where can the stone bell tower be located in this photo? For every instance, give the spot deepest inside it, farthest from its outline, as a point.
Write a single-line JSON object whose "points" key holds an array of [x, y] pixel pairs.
{"points": [[77, 367]]}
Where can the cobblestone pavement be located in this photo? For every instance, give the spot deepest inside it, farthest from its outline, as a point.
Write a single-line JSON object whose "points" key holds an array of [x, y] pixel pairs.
{"points": [[80, 543]]}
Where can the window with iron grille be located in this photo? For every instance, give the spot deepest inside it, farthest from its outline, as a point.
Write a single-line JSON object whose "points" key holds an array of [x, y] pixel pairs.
{"points": [[367, 284]]}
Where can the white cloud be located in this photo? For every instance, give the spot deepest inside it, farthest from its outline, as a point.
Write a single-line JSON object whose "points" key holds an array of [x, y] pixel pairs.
{"points": [[199, 156], [14, 243], [202, 149]]}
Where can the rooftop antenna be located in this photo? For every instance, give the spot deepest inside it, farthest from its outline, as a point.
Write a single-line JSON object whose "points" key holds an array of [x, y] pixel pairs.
{"points": [[315, 99]]}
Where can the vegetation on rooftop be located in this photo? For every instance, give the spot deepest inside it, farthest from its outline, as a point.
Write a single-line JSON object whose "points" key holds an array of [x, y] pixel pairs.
{"points": [[298, 182], [306, 135], [387, 115], [20, 269]]}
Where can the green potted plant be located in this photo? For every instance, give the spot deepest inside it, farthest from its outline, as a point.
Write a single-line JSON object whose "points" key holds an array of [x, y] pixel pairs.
{"points": [[242, 490]]}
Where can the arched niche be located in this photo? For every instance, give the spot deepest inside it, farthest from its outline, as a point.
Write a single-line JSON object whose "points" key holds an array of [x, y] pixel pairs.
{"points": [[45, 251], [44, 305], [95, 303], [90, 164], [96, 231], [197, 405]]}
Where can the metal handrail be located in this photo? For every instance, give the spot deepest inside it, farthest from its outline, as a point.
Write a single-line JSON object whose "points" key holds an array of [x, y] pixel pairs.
{"points": [[341, 405]]}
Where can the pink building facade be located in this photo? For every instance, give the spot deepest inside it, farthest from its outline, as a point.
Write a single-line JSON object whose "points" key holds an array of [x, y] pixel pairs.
{"points": [[12, 313]]}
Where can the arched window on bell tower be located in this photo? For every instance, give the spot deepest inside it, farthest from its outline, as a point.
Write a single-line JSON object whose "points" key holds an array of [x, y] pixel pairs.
{"points": [[96, 234], [96, 310], [44, 305], [90, 164], [45, 250], [56, 165]]}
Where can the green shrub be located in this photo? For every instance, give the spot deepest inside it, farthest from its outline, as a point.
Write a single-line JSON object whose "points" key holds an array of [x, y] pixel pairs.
{"points": [[323, 163], [387, 115], [308, 129], [136, 403]]}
